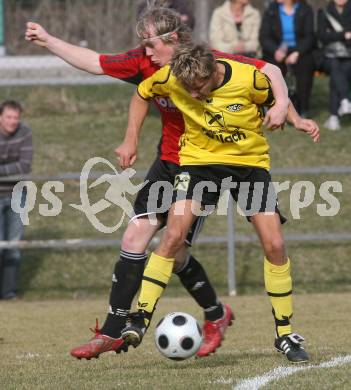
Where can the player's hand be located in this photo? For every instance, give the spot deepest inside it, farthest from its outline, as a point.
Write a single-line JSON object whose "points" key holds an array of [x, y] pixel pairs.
{"points": [[275, 117], [126, 154], [292, 58], [279, 55], [37, 34], [309, 127]]}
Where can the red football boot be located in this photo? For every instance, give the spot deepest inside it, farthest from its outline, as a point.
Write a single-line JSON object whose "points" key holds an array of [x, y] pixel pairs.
{"points": [[213, 332], [100, 343]]}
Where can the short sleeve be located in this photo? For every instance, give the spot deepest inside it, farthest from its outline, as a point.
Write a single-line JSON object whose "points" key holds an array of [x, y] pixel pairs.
{"points": [[261, 89], [124, 66], [156, 85]]}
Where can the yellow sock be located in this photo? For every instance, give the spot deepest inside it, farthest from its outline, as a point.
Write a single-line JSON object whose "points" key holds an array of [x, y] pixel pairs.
{"points": [[279, 288], [156, 276]]}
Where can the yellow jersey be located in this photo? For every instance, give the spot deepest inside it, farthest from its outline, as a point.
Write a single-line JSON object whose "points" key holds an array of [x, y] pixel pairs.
{"points": [[226, 127]]}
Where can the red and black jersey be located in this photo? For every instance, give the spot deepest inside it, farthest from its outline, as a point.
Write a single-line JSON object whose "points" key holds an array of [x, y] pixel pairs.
{"points": [[135, 66]]}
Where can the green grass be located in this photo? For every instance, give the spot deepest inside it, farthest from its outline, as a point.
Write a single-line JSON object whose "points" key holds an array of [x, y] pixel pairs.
{"points": [[73, 124], [35, 339]]}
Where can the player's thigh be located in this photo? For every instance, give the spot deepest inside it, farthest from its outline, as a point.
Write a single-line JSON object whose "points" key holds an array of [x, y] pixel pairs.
{"points": [[188, 206], [181, 216], [155, 198], [180, 219], [195, 230], [183, 252]]}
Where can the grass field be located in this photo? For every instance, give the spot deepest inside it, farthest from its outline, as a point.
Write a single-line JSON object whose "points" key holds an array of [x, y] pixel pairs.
{"points": [[36, 338]]}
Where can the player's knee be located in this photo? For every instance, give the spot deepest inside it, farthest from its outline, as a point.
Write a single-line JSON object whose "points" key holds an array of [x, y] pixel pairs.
{"points": [[275, 248], [128, 241], [131, 241]]}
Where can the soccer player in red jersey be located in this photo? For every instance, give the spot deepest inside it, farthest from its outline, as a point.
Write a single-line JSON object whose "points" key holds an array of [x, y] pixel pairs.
{"points": [[134, 66]]}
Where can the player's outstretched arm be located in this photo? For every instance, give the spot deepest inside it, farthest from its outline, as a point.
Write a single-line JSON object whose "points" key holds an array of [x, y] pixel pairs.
{"points": [[79, 57], [277, 114], [127, 152], [308, 126]]}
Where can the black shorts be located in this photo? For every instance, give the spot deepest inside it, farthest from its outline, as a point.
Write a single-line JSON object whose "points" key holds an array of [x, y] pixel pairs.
{"points": [[251, 187], [156, 196]]}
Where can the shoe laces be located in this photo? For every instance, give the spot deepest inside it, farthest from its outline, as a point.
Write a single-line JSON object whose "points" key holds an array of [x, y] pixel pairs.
{"points": [[96, 330]]}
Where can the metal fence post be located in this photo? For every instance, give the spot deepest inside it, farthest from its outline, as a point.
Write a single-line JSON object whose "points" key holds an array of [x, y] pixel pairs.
{"points": [[231, 247], [202, 12], [2, 21]]}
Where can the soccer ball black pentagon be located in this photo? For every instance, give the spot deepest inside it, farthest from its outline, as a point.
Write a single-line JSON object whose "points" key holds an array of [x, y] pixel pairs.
{"points": [[178, 336]]}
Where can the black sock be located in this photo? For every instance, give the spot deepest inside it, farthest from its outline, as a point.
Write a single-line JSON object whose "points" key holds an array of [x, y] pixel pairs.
{"points": [[126, 281], [194, 279]]}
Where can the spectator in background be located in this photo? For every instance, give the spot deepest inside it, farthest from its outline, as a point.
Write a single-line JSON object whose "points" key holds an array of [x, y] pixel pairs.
{"points": [[287, 39], [15, 159], [234, 28], [334, 32], [181, 6]]}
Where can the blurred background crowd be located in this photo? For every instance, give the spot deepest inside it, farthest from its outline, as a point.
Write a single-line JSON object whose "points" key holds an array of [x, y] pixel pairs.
{"points": [[303, 38]]}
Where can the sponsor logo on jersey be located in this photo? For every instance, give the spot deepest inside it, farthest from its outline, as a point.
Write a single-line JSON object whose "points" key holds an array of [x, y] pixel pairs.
{"points": [[234, 107], [166, 103], [236, 136], [214, 119], [181, 182]]}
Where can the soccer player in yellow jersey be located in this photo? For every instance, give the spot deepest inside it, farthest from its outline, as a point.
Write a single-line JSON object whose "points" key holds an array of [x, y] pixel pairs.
{"points": [[223, 143], [222, 122]]}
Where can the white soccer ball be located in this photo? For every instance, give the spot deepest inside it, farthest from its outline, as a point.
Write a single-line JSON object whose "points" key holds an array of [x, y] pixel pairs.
{"points": [[178, 336]]}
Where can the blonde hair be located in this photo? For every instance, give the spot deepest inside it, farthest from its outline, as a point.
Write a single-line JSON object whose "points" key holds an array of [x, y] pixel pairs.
{"points": [[164, 21], [192, 62]]}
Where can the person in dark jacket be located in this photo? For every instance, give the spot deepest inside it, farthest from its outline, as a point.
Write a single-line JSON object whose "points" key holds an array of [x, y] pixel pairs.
{"points": [[334, 32], [15, 159], [287, 39]]}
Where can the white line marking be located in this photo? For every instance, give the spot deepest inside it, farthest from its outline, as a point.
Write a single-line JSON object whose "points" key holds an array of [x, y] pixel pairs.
{"points": [[281, 372], [28, 355]]}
